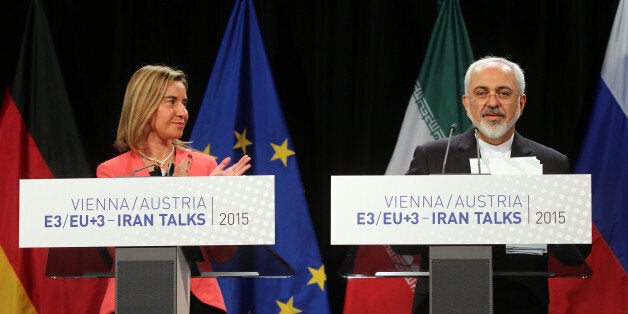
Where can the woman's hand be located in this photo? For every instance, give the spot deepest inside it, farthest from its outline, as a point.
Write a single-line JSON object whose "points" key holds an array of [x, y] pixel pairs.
{"points": [[237, 169], [183, 168]]}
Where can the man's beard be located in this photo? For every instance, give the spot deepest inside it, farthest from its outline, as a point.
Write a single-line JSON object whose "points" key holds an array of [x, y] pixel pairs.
{"points": [[494, 129]]}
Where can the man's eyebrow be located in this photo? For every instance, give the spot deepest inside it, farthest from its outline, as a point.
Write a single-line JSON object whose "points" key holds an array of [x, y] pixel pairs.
{"points": [[498, 87]]}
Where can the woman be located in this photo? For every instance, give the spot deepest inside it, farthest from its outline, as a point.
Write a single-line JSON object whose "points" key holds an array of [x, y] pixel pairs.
{"points": [[151, 124]]}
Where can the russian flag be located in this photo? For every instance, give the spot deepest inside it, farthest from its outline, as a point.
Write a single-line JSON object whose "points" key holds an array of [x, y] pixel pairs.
{"points": [[604, 154]]}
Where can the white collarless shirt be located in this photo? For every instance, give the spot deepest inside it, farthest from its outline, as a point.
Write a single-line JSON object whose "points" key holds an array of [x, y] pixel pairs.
{"points": [[502, 150]]}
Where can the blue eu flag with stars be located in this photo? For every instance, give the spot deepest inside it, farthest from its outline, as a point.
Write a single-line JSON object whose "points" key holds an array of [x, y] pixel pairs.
{"points": [[241, 114]]}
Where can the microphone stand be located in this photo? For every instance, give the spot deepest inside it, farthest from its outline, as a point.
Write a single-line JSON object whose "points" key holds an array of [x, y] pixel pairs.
{"points": [[477, 146], [452, 128], [155, 168]]}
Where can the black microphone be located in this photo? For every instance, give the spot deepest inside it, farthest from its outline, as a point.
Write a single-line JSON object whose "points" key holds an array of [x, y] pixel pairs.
{"points": [[170, 171], [477, 146], [156, 172], [452, 128], [142, 168]]}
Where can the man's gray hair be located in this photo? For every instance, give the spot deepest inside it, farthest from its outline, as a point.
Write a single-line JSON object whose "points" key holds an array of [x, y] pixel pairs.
{"points": [[516, 69]]}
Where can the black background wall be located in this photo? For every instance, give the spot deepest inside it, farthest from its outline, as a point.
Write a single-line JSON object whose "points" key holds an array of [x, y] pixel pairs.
{"points": [[344, 70]]}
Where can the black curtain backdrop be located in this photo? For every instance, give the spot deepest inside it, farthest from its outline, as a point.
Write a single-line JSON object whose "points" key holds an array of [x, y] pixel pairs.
{"points": [[344, 71]]}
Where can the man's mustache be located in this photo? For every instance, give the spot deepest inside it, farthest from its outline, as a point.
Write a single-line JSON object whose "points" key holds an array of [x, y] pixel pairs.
{"points": [[493, 111]]}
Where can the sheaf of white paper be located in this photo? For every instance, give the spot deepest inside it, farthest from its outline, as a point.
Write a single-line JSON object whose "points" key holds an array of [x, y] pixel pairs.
{"points": [[505, 166]]}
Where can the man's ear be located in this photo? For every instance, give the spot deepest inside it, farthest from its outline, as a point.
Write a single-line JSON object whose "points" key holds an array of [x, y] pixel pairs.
{"points": [[522, 101], [465, 102]]}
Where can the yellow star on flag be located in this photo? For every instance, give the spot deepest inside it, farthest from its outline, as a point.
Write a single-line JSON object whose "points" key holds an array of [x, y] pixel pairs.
{"points": [[288, 307], [242, 141], [206, 152], [282, 152], [318, 276]]}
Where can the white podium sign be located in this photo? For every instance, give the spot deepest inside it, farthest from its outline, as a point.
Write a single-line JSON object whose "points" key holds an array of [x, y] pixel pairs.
{"points": [[461, 209], [147, 211]]}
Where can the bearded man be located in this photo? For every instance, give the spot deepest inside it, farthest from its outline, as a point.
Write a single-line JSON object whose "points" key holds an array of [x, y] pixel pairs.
{"points": [[494, 100]]}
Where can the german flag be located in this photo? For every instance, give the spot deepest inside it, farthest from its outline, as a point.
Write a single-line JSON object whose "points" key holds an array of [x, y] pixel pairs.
{"points": [[39, 140]]}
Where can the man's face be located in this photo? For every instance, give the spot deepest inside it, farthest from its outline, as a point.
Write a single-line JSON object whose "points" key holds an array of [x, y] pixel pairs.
{"points": [[493, 101]]}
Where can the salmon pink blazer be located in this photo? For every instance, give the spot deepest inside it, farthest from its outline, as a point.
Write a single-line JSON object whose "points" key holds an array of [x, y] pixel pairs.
{"points": [[123, 165]]}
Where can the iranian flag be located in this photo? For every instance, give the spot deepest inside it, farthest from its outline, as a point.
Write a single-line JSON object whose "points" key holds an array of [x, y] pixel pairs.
{"points": [[434, 105]]}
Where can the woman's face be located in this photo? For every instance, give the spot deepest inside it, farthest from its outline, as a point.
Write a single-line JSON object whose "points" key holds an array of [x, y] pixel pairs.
{"points": [[168, 122]]}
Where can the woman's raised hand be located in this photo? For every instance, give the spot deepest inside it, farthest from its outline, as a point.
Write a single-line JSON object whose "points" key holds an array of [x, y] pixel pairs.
{"points": [[237, 169]]}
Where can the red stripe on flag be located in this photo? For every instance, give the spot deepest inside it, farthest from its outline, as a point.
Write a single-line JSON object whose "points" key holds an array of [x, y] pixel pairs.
{"points": [[23, 160], [378, 295], [604, 292]]}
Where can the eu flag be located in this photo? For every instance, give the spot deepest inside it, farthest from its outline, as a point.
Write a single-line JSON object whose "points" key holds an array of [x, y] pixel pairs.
{"points": [[241, 114]]}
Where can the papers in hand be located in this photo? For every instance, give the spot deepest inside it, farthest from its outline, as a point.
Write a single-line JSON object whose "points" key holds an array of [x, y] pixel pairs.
{"points": [[515, 165]]}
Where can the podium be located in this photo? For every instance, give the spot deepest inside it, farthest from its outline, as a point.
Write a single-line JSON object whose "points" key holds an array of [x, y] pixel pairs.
{"points": [[450, 231], [157, 278], [454, 271], [153, 234]]}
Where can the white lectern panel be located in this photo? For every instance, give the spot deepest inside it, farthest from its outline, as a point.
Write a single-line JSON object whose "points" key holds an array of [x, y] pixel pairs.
{"points": [[461, 209], [147, 211]]}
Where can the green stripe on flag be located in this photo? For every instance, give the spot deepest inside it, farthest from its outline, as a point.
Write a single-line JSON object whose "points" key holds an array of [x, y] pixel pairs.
{"points": [[436, 101]]}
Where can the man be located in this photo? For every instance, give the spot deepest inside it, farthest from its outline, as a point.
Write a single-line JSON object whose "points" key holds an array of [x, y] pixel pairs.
{"points": [[494, 100]]}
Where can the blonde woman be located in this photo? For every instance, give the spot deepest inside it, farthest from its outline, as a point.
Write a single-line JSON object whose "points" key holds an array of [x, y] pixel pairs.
{"points": [[149, 133]]}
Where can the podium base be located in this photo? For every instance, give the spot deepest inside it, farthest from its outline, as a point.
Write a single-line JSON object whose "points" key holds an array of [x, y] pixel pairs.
{"points": [[461, 279], [152, 280]]}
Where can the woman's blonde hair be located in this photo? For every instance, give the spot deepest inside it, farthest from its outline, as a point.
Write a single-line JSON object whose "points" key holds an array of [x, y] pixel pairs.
{"points": [[143, 95]]}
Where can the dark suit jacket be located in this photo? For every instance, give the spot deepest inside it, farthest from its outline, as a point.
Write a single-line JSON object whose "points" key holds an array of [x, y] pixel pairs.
{"points": [[428, 158], [511, 294]]}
